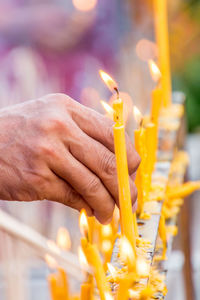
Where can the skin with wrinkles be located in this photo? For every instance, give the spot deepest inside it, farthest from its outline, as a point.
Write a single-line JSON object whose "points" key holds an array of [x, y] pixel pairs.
{"points": [[54, 148]]}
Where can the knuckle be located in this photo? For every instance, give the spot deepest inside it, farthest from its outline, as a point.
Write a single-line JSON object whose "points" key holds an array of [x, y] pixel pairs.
{"points": [[55, 124], [44, 149], [57, 97], [71, 197], [93, 186], [110, 135], [41, 184], [109, 163]]}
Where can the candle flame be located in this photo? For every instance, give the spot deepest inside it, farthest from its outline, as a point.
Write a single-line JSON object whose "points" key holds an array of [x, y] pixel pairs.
{"points": [[106, 230], [107, 108], [63, 239], [154, 70], [142, 267], [82, 258], [112, 270], [133, 294], [106, 246], [111, 84], [137, 115], [108, 296], [50, 261], [83, 223], [126, 250]]}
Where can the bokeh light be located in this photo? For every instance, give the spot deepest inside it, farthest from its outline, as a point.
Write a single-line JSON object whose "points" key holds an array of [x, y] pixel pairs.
{"points": [[84, 5], [146, 50]]}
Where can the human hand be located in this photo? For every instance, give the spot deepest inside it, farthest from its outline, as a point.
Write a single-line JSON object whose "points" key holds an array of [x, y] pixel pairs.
{"points": [[54, 148]]}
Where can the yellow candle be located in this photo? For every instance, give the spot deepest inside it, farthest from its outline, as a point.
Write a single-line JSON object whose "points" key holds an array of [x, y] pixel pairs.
{"points": [[92, 254], [151, 138], [161, 30], [87, 290], [156, 100], [124, 286], [126, 218], [140, 146], [135, 225], [183, 190], [59, 285]]}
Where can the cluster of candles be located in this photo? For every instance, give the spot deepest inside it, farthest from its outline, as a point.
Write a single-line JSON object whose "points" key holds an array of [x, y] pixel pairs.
{"points": [[97, 241]]}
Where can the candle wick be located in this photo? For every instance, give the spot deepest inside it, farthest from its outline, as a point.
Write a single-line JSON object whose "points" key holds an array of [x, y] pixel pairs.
{"points": [[117, 91], [141, 122]]}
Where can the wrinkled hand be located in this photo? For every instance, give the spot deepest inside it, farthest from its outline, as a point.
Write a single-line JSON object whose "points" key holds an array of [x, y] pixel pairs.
{"points": [[54, 148]]}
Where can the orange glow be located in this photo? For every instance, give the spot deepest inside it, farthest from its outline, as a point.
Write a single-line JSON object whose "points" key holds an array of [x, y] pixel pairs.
{"points": [[106, 246], [146, 50], [108, 296], [84, 5], [83, 223], [63, 239], [108, 109], [82, 259], [50, 261], [137, 115], [142, 267], [112, 270], [111, 84], [133, 294], [154, 70], [126, 251], [106, 230]]}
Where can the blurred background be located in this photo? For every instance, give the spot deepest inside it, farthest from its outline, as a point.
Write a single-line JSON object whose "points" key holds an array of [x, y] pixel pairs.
{"points": [[55, 46]]}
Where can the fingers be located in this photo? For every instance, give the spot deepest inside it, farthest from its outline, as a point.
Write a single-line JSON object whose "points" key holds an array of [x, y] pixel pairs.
{"points": [[99, 128], [85, 183], [60, 191], [100, 161]]}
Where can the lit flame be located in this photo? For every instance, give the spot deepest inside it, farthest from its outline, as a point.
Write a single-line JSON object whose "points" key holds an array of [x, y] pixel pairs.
{"points": [[112, 271], [107, 108], [106, 246], [50, 261], [85, 5], [142, 267], [83, 223], [154, 70], [106, 230], [126, 250], [137, 115], [133, 294], [108, 296], [63, 239], [111, 84], [82, 258]]}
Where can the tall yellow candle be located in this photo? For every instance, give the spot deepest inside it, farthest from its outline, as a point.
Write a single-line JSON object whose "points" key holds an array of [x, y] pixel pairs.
{"points": [[151, 144], [124, 285], [92, 254], [140, 146], [126, 217], [59, 285], [162, 37], [156, 105]]}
